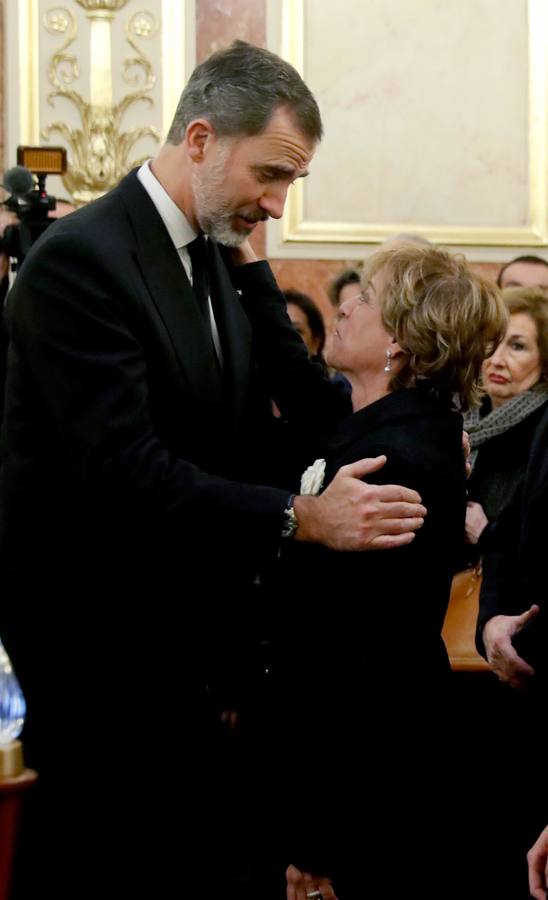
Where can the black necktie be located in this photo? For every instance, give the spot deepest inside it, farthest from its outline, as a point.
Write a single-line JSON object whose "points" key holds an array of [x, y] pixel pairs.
{"points": [[197, 250]]}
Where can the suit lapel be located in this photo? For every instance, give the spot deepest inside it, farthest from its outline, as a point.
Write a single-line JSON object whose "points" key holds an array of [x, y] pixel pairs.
{"points": [[173, 297]]}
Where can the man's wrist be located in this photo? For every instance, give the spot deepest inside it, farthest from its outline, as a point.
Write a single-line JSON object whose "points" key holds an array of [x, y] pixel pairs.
{"points": [[290, 523], [301, 519], [308, 521]]}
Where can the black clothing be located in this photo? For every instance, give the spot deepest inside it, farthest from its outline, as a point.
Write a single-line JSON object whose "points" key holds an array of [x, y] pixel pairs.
{"points": [[514, 577], [360, 654], [513, 562], [128, 520], [354, 720], [498, 473]]}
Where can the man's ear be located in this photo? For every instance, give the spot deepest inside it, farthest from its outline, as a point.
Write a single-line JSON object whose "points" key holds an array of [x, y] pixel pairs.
{"points": [[199, 134]]}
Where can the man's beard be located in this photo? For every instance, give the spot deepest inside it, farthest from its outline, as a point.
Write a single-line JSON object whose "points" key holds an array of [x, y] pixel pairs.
{"points": [[215, 216]]}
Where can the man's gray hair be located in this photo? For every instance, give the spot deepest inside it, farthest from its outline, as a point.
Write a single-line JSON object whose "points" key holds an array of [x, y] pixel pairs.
{"points": [[238, 89]]}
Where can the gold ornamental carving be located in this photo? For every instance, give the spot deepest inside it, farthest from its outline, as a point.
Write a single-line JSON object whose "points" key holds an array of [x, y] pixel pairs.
{"points": [[99, 150], [101, 5]]}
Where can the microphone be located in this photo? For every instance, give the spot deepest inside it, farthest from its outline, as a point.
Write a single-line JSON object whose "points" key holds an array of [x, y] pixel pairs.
{"points": [[18, 180]]}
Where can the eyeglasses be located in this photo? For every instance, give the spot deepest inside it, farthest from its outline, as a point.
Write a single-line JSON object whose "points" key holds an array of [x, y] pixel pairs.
{"points": [[359, 297]]}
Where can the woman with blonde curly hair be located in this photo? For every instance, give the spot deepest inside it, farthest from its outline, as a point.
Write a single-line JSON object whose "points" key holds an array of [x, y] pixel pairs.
{"points": [[359, 673]]}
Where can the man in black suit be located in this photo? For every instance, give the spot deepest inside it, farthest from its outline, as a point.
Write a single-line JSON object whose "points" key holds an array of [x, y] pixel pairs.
{"points": [[514, 577], [135, 460], [512, 634]]}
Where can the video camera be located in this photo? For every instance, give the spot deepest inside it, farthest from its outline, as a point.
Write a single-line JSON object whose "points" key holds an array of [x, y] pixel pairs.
{"points": [[29, 200]]}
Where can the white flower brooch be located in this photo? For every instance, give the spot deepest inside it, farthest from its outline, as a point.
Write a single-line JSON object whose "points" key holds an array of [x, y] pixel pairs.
{"points": [[312, 478]]}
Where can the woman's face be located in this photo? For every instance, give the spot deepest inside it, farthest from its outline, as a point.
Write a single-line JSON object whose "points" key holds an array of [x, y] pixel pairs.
{"points": [[302, 325], [360, 340], [515, 366]]}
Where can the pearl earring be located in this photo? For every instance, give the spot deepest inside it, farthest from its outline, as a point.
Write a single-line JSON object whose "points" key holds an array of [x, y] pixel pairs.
{"points": [[388, 365]]}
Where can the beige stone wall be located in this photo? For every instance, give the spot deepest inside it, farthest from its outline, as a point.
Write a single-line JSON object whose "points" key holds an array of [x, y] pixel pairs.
{"points": [[2, 83]]}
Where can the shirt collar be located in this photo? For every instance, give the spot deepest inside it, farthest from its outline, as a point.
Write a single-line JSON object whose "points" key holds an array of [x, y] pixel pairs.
{"points": [[176, 222]]}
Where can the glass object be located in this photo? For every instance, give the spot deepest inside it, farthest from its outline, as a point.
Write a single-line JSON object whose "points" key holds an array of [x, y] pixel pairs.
{"points": [[12, 701]]}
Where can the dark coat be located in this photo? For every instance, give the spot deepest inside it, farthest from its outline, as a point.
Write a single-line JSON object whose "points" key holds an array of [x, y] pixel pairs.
{"points": [[132, 527], [121, 433], [350, 732], [501, 463], [514, 571], [497, 476], [385, 607], [514, 577], [358, 676]]}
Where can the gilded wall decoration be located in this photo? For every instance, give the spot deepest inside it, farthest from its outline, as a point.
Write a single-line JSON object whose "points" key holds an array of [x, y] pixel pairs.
{"points": [[100, 149]]}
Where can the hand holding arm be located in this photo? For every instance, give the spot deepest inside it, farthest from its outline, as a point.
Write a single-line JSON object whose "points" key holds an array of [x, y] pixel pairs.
{"points": [[476, 520], [537, 861], [501, 654], [301, 884], [353, 515]]}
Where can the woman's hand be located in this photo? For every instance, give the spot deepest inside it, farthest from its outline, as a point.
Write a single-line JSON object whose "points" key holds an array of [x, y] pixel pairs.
{"points": [[243, 254], [301, 885], [476, 520]]}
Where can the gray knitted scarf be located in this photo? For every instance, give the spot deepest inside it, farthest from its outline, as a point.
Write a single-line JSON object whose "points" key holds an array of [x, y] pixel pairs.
{"points": [[482, 429]]}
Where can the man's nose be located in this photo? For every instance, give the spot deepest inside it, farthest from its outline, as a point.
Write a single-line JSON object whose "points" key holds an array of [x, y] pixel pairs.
{"points": [[273, 200]]}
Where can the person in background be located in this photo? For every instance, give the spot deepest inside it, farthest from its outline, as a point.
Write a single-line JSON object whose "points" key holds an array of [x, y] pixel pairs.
{"points": [[512, 633], [343, 287], [524, 271], [62, 208], [6, 218], [307, 321], [512, 622], [502, 429], [537, 860]]}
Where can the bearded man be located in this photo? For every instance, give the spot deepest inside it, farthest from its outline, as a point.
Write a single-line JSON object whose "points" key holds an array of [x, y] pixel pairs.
{"points": [[135, 512]]}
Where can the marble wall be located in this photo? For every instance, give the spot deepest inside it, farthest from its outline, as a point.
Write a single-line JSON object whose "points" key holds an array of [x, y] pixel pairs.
{"points": [[2, 84], [218, 22]]}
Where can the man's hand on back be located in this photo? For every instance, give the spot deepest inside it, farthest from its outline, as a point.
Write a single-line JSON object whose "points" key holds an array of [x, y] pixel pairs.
{"points": [[354, 515]]}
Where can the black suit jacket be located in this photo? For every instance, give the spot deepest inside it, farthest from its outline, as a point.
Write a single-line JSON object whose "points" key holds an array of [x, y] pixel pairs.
{"points": [[514, 571], [132, 523], [127, 456]]}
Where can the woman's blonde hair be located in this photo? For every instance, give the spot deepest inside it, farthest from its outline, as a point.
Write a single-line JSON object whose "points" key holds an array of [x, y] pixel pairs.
{"points": [[533, 301], [445, 318]]}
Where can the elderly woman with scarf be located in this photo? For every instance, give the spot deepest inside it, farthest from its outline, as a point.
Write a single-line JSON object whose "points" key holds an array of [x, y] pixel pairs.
{"points": [[502, 429]]}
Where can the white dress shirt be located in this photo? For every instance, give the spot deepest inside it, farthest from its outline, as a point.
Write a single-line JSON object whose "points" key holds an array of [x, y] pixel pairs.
{"points": [[179, 230]]}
